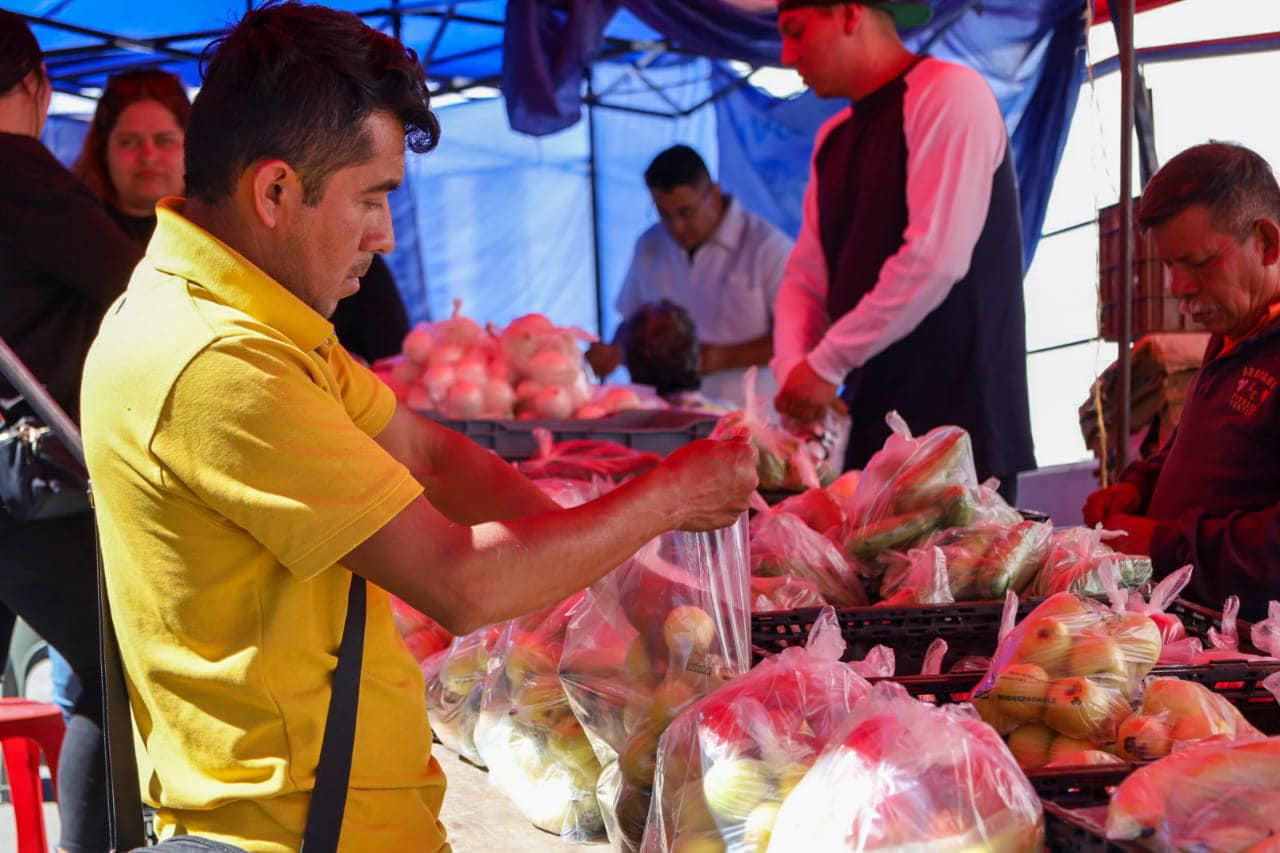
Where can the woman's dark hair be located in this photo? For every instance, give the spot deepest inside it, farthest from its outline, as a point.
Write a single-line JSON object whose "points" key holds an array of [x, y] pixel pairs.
{"points": [[296, 82], [660, 347], [19, 51], [123, 90], [678, 166], [1233, 182]]}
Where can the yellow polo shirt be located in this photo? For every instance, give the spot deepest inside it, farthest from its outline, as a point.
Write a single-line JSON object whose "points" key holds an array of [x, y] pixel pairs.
{"points": [[229, 438]]}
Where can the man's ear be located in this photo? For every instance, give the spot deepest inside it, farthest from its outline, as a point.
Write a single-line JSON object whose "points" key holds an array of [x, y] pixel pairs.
{"points": [[1268, 235], [277, 191], [851, 16]]}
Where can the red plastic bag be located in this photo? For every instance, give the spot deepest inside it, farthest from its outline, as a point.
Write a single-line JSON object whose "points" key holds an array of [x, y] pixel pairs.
{"points": [[585, 459], [782, 544]]}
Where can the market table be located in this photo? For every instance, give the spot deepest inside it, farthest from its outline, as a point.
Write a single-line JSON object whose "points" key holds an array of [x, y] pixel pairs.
{"points": [[481, 818]]}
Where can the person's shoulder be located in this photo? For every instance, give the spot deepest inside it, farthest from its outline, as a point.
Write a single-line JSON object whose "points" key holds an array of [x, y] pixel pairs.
{"points": [[940, 80], [761, 231], [35, 176]]}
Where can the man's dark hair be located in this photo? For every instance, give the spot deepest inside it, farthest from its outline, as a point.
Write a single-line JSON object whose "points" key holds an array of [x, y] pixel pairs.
{"points": [[660, 347], [296, 82], [678, 166], [19, 52], [1233, 182]]}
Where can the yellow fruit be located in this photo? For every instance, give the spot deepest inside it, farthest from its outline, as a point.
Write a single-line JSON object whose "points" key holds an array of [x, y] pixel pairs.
{"points": [[689, 630], [989, 711], [537, 691], [1063, 748], [691, 815], [670, 699], [637, 664], [1019, 692], [759, 826], [1046, 643], [1062, 605], [786, 779], [735, 786], [527, 658], [1085, 758], [1140, 638], [639, 757], [706, 843], [1098, 656], [1143, 737], [1030, 745], [1082, 708]]}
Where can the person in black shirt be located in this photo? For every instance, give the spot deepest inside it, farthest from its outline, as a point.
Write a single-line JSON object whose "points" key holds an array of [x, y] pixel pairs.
{"points": [[132, 155], [63, 263]]}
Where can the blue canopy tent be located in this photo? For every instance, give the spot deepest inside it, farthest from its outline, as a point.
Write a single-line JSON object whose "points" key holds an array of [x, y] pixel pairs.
{"points": [[543, 220]]}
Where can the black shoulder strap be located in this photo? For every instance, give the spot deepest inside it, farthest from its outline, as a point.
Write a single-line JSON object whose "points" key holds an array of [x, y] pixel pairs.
{"points": [[329, 799]]}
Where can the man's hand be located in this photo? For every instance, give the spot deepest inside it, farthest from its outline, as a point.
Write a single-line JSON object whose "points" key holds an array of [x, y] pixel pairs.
{"points": [[710, 481], [1122, 498], [604, 358], [805, 396], [1137, 530]]}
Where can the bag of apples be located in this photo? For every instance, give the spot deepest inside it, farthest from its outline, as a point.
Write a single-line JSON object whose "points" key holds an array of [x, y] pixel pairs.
{"points": [[727, 763], [901, 774], [1065, 677], [535, 749], [455, 685], [659, 632]]}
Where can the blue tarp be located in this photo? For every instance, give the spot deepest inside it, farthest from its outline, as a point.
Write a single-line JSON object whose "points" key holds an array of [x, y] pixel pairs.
{"points": [[504, 220]]}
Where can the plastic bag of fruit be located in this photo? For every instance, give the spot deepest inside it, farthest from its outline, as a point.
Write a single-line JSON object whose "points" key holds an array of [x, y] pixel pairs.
{"points": [[785, 592], [1215, 795], [1076, 561], [455, 688], [664, 629], [985, 562], [423, 636], [535, 749], [817, 508], [914, 486], [900, 774], [1175, 646], [1266, 633], [788, 462], [782, 544], [1063, 679], [1175, 713], [727, 763], [916, 577]]}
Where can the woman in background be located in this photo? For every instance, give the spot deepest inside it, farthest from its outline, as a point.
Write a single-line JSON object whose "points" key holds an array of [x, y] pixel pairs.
{"points": [[132, 155]]}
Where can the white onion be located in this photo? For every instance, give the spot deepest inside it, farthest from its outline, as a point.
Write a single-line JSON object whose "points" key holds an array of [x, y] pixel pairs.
{"points": [[463, 400], [445, 354], [474, 367], [619, 400], [437, 378], [553, 402], [553, 368], [591, 411], [498, 397], [521, 339], [406, 371], [528, 389], [419, 343]]}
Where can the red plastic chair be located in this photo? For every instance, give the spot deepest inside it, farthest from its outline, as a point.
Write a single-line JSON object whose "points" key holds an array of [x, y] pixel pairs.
{"points": [[26, 729]]}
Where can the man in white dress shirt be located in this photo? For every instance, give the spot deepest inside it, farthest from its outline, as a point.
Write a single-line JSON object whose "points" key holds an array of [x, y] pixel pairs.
{"points": [[720, 262]]}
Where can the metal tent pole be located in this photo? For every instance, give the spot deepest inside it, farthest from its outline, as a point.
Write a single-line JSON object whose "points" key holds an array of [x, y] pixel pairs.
{"points": [[1123, 12], [592, 175]]}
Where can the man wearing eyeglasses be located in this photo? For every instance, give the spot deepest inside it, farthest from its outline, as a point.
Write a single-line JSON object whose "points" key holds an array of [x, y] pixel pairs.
{"points": [[717, 260]]}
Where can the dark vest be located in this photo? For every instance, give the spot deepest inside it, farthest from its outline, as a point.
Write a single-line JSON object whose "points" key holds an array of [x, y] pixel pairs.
{"points": [[965, 364]]}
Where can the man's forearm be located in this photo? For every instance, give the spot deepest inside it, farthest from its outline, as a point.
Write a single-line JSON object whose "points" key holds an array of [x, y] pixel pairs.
{"points": [[469, 485], [745, 354]]}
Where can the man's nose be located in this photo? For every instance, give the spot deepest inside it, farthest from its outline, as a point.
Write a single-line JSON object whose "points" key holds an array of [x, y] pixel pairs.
{"points": [[1181, 283], [381, 238]]}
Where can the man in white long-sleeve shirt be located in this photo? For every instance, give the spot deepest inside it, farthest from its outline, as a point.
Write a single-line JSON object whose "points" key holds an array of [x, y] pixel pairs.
{"points": [[905, 284]]}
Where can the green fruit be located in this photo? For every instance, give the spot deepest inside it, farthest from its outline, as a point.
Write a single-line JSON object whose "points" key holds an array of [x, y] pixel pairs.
{"points": [[735, 786], [759, 826]]}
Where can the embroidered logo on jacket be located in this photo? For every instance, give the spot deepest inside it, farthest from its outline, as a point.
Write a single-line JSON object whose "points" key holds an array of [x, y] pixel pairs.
{"points": [[1252, 390]]}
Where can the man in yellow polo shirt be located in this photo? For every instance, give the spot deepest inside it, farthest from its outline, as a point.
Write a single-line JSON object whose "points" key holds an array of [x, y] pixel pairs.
{"points": [[245, 465]]}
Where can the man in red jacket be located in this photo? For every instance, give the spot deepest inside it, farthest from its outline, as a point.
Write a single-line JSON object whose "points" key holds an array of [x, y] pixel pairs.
{"points": [[1210, 497]]}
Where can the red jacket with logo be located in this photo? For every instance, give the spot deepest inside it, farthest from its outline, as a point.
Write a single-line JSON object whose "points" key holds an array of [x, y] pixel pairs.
{"points": [[1214, 489]]}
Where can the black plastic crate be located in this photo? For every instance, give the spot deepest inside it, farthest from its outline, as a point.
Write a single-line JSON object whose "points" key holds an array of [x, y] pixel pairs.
{"points": [[1075, 803], [970, 629], [656, 431], [1198, 619], [1079, 830]]}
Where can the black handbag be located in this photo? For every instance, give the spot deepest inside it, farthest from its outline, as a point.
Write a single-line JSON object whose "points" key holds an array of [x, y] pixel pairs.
{"points": [[39, 478]]}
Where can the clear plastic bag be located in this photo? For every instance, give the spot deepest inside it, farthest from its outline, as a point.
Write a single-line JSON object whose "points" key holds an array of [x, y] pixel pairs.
{"points": [[1064, 678], [788, 462], [1176, 713], [1266, 634], [785, 592], [1076, 562], [900, 774], [1176, 646], [817, 508], [728, 762], [1225, 644], [783, 544], [914, 486], [985, 562], [455, 688], [526, 734], [664, 629], [1217, 795], [917, 577]]}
